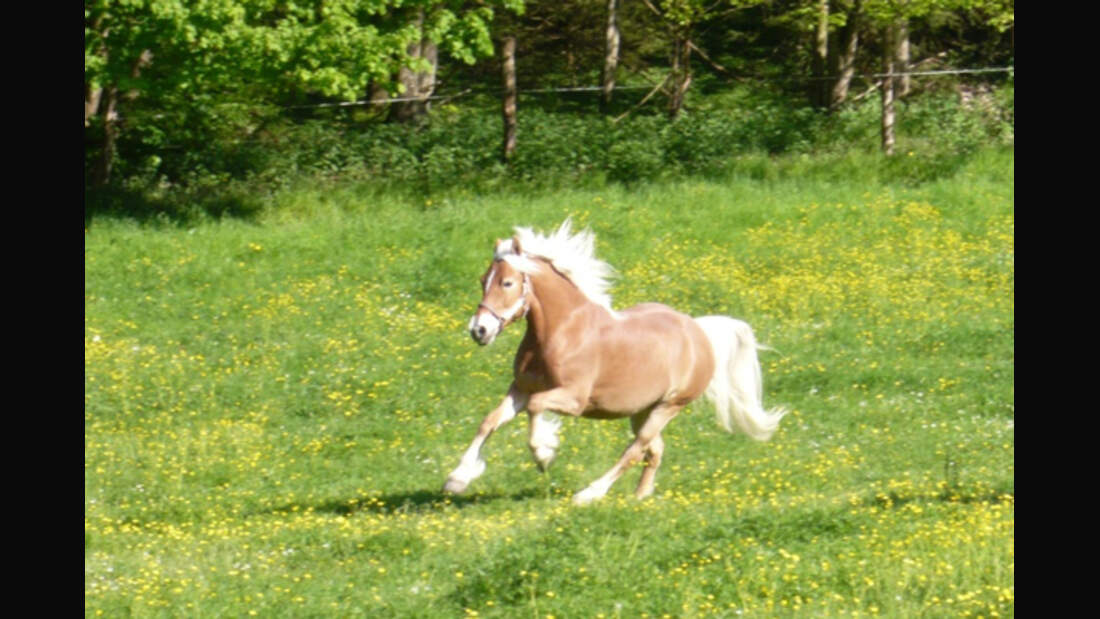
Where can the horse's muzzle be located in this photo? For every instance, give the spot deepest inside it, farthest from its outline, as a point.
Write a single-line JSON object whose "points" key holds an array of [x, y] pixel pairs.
{"points": [[484, 328], [480, 335]]}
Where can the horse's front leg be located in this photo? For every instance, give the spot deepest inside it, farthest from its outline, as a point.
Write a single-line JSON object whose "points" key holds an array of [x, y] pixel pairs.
{"points": [[543, 438], [472, 464], [543, 428]]}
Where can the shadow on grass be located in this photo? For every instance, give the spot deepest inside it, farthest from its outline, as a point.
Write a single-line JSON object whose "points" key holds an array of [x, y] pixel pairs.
{"points": [[179, 207], [417, 501], [956, 493]]}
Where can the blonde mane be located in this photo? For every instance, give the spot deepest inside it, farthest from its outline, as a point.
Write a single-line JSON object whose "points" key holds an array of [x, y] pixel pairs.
{"points": [[573, 255]]}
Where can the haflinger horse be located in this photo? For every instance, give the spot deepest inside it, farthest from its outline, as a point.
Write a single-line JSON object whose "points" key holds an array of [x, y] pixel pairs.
{"points": [[579, 357]]}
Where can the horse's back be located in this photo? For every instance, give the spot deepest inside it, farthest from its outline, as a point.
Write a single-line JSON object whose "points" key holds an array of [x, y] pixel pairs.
{"points": [[659, 320]]}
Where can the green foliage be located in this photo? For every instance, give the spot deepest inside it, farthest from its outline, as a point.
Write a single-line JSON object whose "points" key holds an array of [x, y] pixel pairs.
{"points": [[258, 152], [637, 158], [195, 79], [219, 93], [332, 48]]}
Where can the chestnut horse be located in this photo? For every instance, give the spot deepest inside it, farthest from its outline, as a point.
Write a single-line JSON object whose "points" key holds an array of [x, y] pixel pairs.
{"points": [[581, 358]]}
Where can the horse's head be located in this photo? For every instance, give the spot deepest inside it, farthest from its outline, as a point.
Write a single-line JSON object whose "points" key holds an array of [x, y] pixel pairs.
{"points": [[506, 289]]}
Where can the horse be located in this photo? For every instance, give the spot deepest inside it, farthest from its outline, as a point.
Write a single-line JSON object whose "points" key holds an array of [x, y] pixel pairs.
{"points": [[579, 357]]}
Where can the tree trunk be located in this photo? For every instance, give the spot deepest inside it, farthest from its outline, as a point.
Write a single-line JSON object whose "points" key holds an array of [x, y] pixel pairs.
{"points": [[508, 53], [102, 173], [418, 86], [819, 85], [426, 81], [888, 82], [611, 58], [901, 57], [681, 73], [92, 96], [378, 97], [844, 57]]}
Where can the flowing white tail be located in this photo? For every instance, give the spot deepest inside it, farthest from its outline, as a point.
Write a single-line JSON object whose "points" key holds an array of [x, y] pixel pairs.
{"points": [[737, 389]]}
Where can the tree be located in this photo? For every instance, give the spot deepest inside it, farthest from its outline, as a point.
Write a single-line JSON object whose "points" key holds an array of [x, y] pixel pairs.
{"points": [[126, 44], [681, 19], [188, 57], [892, 17], [842, 61], [889, 87], [508, 102], [611, 57], [832, 28], [819, 87], [891, 21], [416, 86]]}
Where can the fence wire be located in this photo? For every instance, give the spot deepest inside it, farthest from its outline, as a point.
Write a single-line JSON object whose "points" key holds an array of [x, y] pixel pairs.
{"points": [[807, 78]]}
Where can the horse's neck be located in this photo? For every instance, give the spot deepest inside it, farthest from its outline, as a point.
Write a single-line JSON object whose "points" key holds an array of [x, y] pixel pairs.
{"points": [[556, 299]]}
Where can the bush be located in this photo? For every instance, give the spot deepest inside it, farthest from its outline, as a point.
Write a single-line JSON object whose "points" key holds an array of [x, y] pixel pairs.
{"points": [[250, 153]]}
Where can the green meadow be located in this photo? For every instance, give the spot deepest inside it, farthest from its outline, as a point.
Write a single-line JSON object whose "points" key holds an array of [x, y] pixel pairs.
{"points": [[273, 404]]}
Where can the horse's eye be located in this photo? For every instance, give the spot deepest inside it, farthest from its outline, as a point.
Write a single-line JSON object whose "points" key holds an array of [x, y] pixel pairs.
{"points": [[506, 283]]}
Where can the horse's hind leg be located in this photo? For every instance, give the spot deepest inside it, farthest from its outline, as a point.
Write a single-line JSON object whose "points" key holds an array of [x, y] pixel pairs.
{"points": [[654, 451], [648, 431], [472, 465]]}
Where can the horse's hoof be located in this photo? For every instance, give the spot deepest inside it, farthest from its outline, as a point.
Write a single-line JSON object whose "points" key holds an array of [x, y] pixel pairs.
{"points": [[543, 458], [584, 497], [455, 486]]}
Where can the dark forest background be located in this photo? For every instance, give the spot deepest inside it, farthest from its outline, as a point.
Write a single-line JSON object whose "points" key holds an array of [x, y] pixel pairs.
{"points": [[210, 109]]}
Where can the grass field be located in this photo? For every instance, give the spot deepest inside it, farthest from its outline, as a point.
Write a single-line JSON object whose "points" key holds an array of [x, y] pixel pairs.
{"points": [[272, 406]]}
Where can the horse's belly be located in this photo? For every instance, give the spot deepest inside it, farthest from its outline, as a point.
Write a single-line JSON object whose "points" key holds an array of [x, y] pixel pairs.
{"points": [[634, 387], [620, 405]]}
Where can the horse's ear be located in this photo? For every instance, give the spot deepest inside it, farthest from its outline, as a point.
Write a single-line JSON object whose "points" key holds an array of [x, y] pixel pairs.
{"points": [[504, 247]]}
